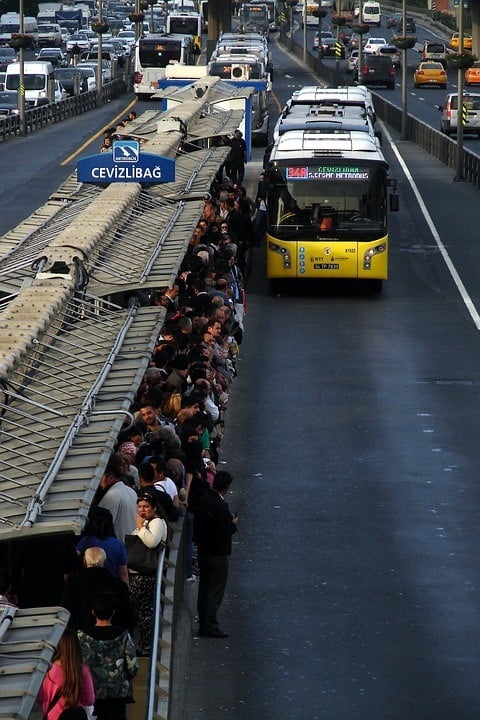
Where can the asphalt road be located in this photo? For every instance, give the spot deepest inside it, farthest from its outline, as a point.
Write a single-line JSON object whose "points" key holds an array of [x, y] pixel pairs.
{"points": [[352, 435]]}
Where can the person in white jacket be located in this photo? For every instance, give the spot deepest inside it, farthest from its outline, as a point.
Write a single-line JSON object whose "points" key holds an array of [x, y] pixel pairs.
{"points": [[151, 527]]}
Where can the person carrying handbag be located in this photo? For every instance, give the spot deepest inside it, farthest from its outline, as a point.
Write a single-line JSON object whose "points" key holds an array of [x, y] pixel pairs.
{"points": [[152, 530], [68, 683]]}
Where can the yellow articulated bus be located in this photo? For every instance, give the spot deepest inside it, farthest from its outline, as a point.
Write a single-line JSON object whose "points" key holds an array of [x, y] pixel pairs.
{"points": [[327, 207]]}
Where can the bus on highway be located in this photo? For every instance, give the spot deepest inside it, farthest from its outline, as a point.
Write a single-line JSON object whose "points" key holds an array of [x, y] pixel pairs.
{"points": [[186, 23], [327, 207], [253, 17], [153, 53]]}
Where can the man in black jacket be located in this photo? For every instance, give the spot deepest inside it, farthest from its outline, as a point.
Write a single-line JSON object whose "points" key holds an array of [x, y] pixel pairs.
{"points": [[213, 528]]}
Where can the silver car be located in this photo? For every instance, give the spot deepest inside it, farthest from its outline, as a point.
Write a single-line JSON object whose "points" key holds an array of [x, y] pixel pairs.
{"points": [[449, 119]]}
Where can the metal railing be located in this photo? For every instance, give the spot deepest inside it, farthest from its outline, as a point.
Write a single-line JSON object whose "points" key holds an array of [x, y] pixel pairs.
{"points": [[44, 115], [168, 598]]}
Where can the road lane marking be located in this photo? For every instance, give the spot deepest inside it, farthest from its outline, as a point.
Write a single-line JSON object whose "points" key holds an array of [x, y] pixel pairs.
{"points": [[120, 116], [443, 251]]}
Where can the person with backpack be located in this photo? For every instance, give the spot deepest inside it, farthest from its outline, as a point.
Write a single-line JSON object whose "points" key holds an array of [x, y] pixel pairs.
{"points": [[109, 652]]}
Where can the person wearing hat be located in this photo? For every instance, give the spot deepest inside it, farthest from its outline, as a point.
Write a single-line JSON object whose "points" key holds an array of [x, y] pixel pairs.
{"points": [[179, 373]]}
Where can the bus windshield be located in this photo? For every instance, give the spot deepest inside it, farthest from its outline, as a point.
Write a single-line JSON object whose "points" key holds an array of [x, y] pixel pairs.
{"points": [[159, 53], [184, 25], [254, 18], [327, 196]]}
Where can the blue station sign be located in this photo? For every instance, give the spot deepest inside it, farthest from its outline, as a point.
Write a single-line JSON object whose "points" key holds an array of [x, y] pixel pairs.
{"points": [[126, 163]]}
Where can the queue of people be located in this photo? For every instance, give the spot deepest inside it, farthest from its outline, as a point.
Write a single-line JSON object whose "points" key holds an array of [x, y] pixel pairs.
{"points": [[163, 465]]}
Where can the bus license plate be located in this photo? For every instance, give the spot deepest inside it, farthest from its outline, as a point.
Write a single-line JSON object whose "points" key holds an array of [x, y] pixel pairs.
{"points": [[326, 266]]}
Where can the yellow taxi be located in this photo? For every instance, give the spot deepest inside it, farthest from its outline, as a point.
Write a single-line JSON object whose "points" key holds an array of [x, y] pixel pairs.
{"points": [[455, 41], [430, 73], [472, 74]]}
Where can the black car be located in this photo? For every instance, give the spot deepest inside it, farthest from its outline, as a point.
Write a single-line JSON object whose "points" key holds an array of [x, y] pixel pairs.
{"points": [[71, 79], [8, 103], [377, 70], [328, 48], [7, 56], [393, 20]]}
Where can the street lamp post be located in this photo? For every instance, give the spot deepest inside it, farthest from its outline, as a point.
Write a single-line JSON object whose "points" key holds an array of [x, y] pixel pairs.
{"points": [[304, 16], [21, 74], [459, 177], [100, 57], [404, 73], [360, 45]]}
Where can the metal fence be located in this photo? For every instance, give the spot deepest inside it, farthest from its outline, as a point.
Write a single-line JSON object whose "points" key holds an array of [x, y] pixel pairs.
{"points": [[39, 117]]}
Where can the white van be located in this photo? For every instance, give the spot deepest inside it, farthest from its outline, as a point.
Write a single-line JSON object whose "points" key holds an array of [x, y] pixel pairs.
{"points": [[372, 13], [10, 23], [39, 82]]}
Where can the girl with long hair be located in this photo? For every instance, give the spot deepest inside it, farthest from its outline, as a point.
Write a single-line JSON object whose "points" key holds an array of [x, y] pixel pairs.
{"points": [[68, 683]]}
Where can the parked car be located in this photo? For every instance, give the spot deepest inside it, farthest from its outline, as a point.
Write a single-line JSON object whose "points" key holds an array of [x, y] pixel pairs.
{"points": [[372, 45], [448, 121], [8, 103], [71, 78], [472, 74], [7, 56], [377, 70], [393, 52], [430, 73], [54, 55]]}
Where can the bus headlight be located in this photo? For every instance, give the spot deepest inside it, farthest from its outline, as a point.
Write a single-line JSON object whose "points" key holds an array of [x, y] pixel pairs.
{"points": [[370, 254], [286, 258]]}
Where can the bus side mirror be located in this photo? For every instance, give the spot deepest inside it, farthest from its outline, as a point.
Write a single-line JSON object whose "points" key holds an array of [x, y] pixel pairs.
{"points": [[394, 203]]}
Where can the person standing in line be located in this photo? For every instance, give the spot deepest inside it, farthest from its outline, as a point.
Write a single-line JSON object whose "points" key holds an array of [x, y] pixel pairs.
{"points": [[152, 530], [120, 499], [213, 527], [109, 652], [237, 158], [68, 683]]}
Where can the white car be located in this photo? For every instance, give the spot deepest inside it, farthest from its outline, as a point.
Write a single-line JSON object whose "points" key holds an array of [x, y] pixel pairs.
{"points": [[373, 44], [352, 61], [60, 92], [90, 74], [106, 69], [127, 37], [79, 39]]}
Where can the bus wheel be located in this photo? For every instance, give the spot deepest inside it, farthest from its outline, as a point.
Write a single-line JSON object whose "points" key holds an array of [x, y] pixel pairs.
{"points": [[375, 285]]}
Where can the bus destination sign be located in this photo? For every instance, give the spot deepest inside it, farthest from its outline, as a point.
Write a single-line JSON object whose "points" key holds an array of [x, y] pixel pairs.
{"points": [[326, 172]]}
